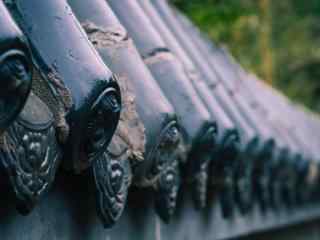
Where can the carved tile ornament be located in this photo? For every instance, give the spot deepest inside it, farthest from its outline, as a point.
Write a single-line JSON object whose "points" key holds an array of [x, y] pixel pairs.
{"points": [[244, 188], [74, 108], [30, 154], [103, 122], [166, 172], [244, 176], [225, 171], [112, 178], [287, 182], [15, 84], [15, 69], [261, 177], [200, 160], [112, 170], [275, 184], [74, 78]]}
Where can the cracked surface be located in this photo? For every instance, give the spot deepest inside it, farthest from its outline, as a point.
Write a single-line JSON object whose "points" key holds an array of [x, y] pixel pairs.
{"points": [[129, 139], [105, 37], [158, 57]]}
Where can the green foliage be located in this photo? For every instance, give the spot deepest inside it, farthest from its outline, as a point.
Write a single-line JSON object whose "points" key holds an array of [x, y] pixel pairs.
{"points": [[294, 39]]}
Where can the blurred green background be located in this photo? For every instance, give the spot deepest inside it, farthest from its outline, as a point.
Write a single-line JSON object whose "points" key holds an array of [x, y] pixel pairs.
{"points": [[277, 40]]}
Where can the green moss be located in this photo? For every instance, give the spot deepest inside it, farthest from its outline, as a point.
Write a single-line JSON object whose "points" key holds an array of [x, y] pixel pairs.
{"points": [[295, 39]]}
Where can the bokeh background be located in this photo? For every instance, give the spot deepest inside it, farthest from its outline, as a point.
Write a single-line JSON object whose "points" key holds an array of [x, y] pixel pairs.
{"points": [[277, 40]]}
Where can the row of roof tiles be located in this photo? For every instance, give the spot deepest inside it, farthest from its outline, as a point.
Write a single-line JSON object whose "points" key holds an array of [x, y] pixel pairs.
{"points": [[132, 92]]}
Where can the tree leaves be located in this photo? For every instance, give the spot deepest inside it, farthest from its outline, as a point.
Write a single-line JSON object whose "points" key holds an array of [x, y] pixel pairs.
{"points": [[294, 40]]}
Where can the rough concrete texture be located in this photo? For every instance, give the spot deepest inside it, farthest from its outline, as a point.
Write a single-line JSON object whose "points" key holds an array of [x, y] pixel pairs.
{"points": [[129, 139], [159, 56], [103, 37]]}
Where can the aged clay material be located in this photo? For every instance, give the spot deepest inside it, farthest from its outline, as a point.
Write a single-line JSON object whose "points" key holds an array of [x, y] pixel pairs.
{"points": [[166, 172], [193, 116], [30, 153], [195, 150], [105, 37], [86, 90], [224, 124], [131, 131], [212, 82], [130, 128], [112, 176], [155, 112], [15, 69], [42, 89], [250, 163], [167, 188], [112, 171], [239, 84]]}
